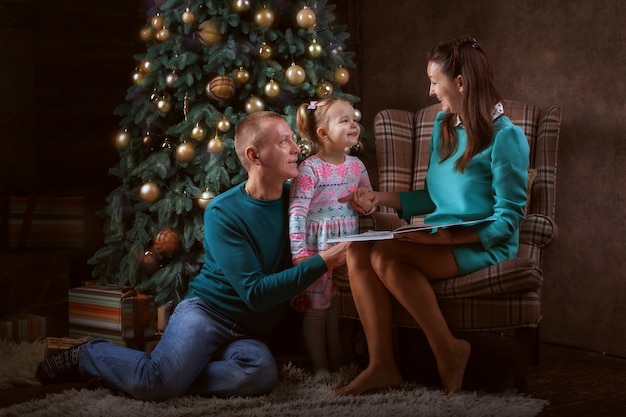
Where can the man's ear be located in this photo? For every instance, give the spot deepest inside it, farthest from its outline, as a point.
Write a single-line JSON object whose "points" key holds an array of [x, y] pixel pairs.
{"points": [[252, 155]]}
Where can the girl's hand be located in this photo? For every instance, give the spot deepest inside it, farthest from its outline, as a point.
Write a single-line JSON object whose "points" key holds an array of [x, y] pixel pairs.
{"points": [[363, 200], [440, 237]]}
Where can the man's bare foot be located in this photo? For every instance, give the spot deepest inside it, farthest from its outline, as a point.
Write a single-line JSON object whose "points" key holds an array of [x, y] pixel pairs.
{"points": [[451, 372], [371, 380]]}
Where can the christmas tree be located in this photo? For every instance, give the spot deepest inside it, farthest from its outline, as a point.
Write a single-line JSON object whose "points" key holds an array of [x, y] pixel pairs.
{"points": [[207, 64]]}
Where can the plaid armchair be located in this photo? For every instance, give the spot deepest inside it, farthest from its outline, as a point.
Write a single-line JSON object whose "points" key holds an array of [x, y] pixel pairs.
{"points": [[502, 296]]}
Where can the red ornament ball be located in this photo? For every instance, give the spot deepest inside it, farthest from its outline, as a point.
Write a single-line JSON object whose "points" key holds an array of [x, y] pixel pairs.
{"points": [[166, 243]]}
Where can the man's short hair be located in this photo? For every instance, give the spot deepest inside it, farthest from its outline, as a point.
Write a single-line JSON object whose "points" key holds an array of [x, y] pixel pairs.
{"points": [[251, 132]]}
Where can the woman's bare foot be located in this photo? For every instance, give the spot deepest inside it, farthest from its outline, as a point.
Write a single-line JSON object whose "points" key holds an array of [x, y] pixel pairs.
{"points": [[451, 371], [371, 379]]}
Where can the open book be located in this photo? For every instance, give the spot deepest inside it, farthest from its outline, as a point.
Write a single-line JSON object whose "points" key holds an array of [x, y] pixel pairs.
{"points": [[390, 234]]}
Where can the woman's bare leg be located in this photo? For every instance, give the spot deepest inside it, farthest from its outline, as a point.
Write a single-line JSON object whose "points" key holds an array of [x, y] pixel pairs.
{"points": [[373, 305], [403, 268]]}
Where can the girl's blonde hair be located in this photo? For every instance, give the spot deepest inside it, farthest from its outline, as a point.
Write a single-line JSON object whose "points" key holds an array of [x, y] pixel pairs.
{"points": [[312, 115]]}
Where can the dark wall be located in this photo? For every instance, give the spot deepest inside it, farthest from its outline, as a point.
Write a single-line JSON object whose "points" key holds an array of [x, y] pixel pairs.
{"points": [[65, 67], [545, 52]]}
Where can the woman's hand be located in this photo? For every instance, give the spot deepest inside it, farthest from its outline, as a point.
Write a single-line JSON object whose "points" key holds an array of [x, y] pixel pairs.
{"points": [[363, 200], [441, 237]]}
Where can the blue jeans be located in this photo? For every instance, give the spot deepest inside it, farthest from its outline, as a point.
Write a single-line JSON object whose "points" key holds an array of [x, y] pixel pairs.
{"points": [[201, 352]]}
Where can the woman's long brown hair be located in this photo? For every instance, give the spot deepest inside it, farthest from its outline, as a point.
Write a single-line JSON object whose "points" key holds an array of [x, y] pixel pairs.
{"points": [[465, 57]]}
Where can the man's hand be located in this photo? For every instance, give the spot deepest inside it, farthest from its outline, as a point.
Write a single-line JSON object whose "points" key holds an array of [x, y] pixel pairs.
{"points": [[335, 256]]}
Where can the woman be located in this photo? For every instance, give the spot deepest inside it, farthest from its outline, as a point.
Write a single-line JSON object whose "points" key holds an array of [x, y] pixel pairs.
{"points": [[478, 168]]}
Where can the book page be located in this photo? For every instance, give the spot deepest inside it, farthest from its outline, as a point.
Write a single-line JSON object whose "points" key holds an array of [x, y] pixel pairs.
{"points": [[430, 227], [386, 234], [365, 236]]}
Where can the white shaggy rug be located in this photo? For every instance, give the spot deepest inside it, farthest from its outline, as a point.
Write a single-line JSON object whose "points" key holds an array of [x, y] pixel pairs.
{"points": [[296, 394], [18, 362]]}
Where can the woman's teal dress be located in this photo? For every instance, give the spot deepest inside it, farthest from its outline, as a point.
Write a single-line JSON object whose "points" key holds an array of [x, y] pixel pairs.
{"points": [[493, 185]]}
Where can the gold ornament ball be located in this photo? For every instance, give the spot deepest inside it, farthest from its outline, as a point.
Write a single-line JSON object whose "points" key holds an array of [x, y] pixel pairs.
{"points": [[148, 141], [222, 87], [162, 35], [264, 17], [223, 125], [209, 33], [341, 76], [149, 263], [272, 89], [306, 148], [198, 132], [171, 79], [138, 77], [254, 104], [163, 105], [315, 49], [188, 17], [242, 76], [146, 34], [166, 145], [240, 6], [149, 192], [306, 18], [324, 89], [265, 50], [122, 140], [205, 198], [215, 145], [166, 243], [185, 152], [145, 65], [295, 74], [157, 21]]}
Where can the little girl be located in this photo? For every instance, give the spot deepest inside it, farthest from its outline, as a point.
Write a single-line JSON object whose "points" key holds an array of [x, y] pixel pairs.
{"points": [[315, 215]]}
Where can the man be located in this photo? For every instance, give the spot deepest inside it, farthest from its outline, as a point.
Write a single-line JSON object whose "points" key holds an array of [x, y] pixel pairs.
{"points": [[210, 346]]}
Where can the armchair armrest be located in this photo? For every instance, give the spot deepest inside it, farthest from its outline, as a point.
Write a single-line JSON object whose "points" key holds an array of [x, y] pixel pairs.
{"points": [[538, 230]]}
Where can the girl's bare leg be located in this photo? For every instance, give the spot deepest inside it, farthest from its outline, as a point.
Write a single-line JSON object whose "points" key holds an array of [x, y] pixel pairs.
{"points": [[403, 269], [373, 305]]}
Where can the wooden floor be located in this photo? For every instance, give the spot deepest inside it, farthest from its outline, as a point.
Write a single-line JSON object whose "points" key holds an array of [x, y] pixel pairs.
{"points": [[577, 383]]}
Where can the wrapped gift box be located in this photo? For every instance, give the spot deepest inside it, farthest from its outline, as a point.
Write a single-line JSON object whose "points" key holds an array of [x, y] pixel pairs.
{"points": [[122, 316], [6, 329], [45, 222], [56, 345], [23, 327]]}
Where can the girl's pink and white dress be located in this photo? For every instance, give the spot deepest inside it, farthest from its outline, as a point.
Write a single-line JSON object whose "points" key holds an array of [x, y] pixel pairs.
{"points": [[315, 215]]}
